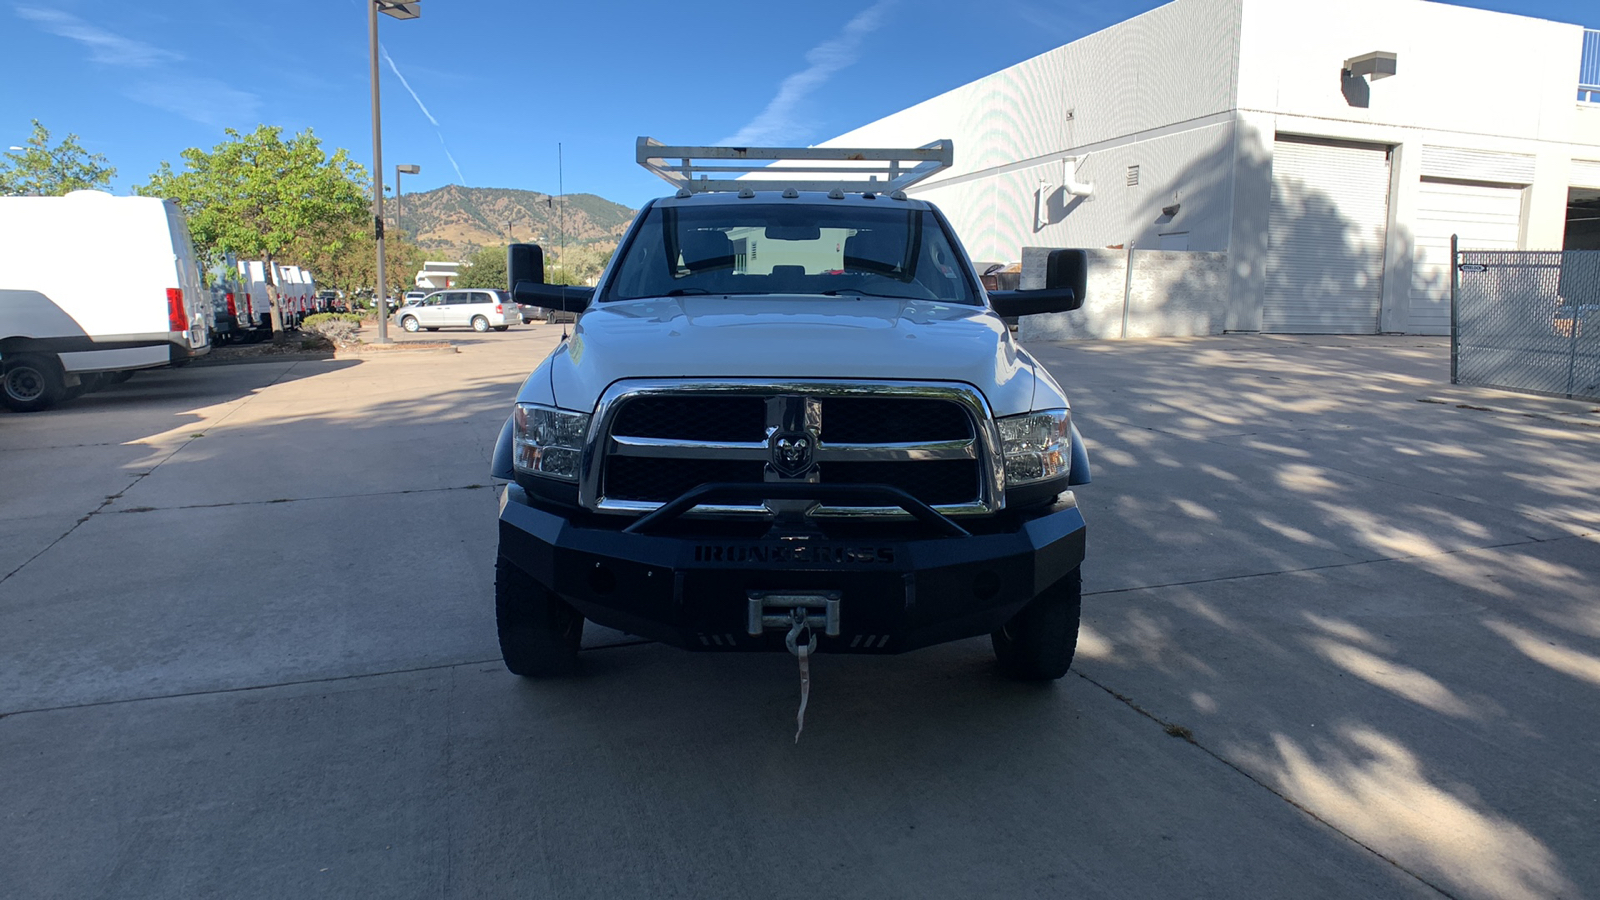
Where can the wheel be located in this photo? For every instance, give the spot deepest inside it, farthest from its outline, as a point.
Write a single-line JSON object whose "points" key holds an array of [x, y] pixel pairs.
{"points": [[1039, 642], [120, 377], [501, 327], [433, 329], [409, 323], [94, 381], [32, 382], [480, 324], [539, 632]]}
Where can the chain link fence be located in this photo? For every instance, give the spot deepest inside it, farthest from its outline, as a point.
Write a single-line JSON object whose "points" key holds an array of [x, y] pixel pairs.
{"points": [[1526, 320]]}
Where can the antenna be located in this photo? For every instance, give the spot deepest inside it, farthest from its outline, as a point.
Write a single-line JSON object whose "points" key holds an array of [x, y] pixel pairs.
{"points": [[561, 228]]}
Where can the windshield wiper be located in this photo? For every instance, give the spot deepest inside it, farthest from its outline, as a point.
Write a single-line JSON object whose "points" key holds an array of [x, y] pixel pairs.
{"points": [[679, 292], [839, 292]]}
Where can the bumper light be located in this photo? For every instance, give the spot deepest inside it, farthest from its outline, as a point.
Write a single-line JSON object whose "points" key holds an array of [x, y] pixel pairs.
{"points": [[1037, 446], [547, 441]]}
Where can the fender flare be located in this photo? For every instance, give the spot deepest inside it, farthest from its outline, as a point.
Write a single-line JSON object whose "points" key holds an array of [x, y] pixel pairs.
{"points": [[501, 465], [1079, 472]]}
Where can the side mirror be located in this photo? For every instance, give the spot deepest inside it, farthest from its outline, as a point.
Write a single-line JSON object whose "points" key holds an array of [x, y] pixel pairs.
{"points": [[524, 262], [1066, 281], [525, 272]]}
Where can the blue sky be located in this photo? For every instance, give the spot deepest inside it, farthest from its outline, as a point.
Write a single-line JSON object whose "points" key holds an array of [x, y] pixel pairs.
{"points": [[480, 92]]}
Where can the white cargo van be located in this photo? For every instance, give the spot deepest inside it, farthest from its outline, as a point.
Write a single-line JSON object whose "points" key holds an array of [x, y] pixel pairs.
{"points": [[256, 316], [69, 316]]}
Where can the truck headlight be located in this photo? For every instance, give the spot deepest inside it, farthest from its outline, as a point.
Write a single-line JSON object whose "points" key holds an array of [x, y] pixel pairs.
{"points": [[548, 441], [1037, 446]]}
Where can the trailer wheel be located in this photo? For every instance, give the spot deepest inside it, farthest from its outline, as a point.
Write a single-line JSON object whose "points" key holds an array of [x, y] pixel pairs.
{"points": [[1039, 642], [32, 382], [539, 632]]}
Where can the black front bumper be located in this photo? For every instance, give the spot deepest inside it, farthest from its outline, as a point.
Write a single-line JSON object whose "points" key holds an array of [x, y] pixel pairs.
{"points": [[691, 589]]}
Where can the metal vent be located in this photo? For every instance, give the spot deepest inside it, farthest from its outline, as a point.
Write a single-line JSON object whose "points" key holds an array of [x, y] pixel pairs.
{"points": [[1133, 175]]}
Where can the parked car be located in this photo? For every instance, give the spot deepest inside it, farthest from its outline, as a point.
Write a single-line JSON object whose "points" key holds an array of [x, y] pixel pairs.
{"points": [[479, 310], [76, 315], [415, 297]]}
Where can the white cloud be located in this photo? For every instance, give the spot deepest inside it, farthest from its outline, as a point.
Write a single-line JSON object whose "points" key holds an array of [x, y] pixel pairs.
{"points": [[204, 100], [776, 124], [104, 47]]}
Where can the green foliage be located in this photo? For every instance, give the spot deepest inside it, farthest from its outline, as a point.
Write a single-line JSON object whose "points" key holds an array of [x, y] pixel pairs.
{"points": [[259, 196], [486, 268], [555, 274], [41, 170]]}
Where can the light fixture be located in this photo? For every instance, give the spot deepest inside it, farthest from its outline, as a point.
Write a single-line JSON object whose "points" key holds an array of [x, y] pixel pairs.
{"points": [[1375, 65], [1170, 211]]}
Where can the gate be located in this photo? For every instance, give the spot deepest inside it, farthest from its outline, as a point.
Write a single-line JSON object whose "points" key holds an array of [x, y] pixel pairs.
{"points": [[1526, 320]]}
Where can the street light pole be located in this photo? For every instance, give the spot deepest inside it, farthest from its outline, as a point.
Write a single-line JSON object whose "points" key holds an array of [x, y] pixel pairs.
{"points": [[399, 10]]}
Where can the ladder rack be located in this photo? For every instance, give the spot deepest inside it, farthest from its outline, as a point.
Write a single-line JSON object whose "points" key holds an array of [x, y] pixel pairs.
{"points": [[701, 170]]}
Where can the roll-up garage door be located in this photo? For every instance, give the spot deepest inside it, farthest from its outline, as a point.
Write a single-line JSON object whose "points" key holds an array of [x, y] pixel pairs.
{"points": [[1484, 216], [1330, 211]]}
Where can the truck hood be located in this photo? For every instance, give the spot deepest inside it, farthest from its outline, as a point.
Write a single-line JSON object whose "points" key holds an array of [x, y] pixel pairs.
{"points": [[800, 337]]}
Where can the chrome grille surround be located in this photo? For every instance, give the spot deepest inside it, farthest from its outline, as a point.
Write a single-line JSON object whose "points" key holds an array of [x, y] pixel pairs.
{"points": [[982, 445]]}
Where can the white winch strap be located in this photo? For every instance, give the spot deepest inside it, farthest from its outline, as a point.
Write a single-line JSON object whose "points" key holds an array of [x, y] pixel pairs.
{"points": [[804, 653]]}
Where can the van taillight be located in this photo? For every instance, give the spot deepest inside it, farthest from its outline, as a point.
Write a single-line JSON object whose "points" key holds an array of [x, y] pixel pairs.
{"points": [[498, 310], [232, 310], [177, 315]]}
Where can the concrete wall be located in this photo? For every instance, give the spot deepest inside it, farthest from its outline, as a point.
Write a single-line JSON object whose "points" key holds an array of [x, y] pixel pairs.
{"points": [[1171, 294], [1467, 79], [1195, 92], [1155, 91]]}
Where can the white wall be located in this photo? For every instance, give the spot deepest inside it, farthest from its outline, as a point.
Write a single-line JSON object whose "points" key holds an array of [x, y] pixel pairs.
{"points": [[1154, 91], [1195, 92], [1170, 294]]}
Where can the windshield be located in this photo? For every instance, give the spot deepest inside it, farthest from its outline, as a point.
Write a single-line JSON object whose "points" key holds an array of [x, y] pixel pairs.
{"points": [[791, 248]]}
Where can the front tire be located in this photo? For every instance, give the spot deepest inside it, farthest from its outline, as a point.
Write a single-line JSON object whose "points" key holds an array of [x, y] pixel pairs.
{"points": [[539, 632], [409, 323], [480, 324], [1039, 642], [32, 382]]}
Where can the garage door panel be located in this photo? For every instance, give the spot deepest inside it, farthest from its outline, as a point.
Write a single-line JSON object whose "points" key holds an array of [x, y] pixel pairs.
{"points": [[1483, 216], [1327, 227]]}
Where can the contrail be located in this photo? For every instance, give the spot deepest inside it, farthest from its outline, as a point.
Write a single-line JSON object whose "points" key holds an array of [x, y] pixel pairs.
{"points": [[776, 122], [420, 105]]}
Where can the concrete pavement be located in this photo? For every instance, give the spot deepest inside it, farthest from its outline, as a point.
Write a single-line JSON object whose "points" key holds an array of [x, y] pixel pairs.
{"points": [[240, 657]]}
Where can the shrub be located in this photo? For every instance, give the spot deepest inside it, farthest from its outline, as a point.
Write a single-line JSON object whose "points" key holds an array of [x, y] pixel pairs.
{"points": [[342, 328]]}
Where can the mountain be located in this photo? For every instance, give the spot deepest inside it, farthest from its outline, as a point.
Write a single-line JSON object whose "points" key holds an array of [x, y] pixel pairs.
{"points": [[452, 221]]}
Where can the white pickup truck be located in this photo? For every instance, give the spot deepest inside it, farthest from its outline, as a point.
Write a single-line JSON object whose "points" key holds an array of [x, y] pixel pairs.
{"points": [[790, 416]]}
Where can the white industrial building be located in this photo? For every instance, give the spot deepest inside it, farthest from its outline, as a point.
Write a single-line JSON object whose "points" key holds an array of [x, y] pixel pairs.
{"points": [[1262, 167]]}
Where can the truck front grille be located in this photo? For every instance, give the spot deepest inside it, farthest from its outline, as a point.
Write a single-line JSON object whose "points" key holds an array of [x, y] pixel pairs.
{"points": [[658, 440]]}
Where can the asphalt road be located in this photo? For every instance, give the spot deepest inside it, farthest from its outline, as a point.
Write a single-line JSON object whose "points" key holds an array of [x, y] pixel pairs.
{"points": [[1342, 639]]}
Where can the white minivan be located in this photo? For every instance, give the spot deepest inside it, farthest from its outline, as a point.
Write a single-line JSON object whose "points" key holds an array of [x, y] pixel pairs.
{"points": [[93, 286], [478, 309]]}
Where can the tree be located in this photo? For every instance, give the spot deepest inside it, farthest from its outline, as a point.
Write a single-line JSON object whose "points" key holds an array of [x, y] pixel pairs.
{"points": [[259, 196], [580, 265], [41, 170], [351, 266], [486, 268]]}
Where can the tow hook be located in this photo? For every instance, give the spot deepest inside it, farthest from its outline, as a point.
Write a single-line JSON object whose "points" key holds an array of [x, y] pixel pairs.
{"points": [[799, 613]]}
